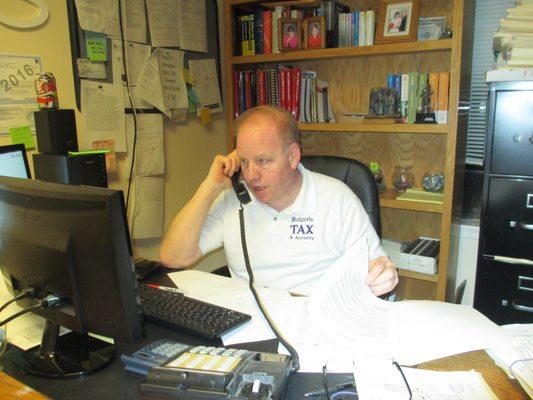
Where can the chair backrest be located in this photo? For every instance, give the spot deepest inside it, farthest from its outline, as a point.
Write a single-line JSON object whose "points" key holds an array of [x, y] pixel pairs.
{"points": [[356, 176]]}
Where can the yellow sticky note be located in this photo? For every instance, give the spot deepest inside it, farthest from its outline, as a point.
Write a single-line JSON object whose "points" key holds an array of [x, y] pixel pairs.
{"points": [[22, 134], [187, 76], [205, 116]]}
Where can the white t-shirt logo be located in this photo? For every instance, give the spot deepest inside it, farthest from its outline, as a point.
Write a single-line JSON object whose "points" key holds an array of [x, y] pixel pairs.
{"points": [[301, 228]]}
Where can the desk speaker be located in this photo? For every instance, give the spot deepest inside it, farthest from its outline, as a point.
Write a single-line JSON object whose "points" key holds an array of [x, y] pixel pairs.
{"points": [[86, 169], [56, 131]]}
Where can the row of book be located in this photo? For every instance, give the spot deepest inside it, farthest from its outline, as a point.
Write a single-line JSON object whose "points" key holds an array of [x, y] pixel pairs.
{"points": [[356, 28], [413, 86], [257, 32], [298, 91]]}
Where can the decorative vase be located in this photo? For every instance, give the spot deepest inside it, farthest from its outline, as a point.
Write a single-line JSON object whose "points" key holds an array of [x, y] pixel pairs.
{"points": [[433, 182], [403, 178]]}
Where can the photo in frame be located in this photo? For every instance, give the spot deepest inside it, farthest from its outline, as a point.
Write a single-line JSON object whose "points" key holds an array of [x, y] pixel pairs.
{"points": [[314, 33], [289, 34], [397, 21], [431, 28]]}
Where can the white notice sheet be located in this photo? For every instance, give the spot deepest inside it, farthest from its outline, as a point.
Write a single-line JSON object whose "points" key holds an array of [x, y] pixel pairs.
{"points": [[102, 107], [149, 207], [206, 84], [193, 34], [163, 19], [99, 16]]}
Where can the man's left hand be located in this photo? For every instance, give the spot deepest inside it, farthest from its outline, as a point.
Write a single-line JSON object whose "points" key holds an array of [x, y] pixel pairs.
{"points": [[382, 275]]}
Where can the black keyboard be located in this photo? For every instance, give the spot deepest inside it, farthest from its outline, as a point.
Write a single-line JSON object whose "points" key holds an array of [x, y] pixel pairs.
{"points": [[175, 310]]}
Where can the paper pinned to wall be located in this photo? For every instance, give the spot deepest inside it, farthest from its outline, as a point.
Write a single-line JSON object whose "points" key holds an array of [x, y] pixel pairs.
{"points": [[99, 16], [149, 154], [102, 107], [206, 84], [161, 82], [193, 33], [135, 21], [137, 56], [147, 221], [164, 22]]}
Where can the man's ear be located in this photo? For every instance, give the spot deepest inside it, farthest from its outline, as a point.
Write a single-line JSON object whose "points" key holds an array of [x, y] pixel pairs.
{"points": [[294, 155]]}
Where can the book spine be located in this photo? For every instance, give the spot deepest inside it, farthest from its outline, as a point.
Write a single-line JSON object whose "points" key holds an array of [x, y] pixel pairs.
{"points": [[422, 83], [258, 31], [276, 15], [370, 27], [362, 28], [412, 105], [267, 32], [296, 79], [236, 94], [433, 82], [301, 105], [251, 39], [442, 100], [244, 34], [247, 90], [356, 28], [390, 80], [404, 96]]}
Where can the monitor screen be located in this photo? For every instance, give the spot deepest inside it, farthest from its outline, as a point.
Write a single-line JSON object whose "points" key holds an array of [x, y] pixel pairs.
{"points": [[71, 242], [13, 161]]}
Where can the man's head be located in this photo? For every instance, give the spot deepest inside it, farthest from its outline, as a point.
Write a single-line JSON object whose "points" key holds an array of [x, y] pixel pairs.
{"points": [[269, 153]]}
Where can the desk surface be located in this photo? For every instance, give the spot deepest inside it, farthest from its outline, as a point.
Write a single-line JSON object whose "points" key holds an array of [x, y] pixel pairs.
{"points": [[117, 383]]}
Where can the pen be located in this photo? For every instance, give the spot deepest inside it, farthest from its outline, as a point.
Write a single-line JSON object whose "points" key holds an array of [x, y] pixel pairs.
{"points": [[166, 288], [334, 389]]}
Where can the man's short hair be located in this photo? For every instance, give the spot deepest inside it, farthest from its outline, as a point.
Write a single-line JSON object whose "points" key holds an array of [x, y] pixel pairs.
{"points": [[284, 121]]}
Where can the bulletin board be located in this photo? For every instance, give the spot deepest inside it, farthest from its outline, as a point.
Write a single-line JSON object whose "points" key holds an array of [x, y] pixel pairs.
{"points": [[78, 50]]}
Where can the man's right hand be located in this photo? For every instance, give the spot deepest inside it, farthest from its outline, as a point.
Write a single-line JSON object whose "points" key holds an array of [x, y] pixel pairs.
{"points": [[222, 169]]}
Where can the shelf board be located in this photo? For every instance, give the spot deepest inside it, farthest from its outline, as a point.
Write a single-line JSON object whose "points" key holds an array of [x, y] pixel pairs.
{"points": [[417, 275], [373, 127], [388, 199], [361, 51]]}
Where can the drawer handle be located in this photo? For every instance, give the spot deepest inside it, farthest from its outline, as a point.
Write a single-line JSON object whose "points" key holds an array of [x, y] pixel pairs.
{"points": [[512, 260], [525, 226], [520, 307]]}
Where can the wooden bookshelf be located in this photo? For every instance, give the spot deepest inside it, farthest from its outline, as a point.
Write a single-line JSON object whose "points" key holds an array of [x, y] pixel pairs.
{"points": [[350, 73], [373, 127], [323, 54]]}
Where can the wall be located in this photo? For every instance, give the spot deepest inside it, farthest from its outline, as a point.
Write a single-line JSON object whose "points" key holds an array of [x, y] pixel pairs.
{"points": [[189, 147]]}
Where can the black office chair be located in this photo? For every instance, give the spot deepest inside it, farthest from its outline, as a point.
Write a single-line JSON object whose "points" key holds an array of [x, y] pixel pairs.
{"points": [[354, 174]]}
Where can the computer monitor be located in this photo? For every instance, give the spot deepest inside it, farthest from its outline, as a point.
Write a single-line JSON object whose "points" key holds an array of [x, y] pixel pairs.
{"points": [[13, 161], [72, 242]]}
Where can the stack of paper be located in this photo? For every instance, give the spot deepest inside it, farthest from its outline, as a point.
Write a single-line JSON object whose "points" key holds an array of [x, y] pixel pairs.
{"points": [[421, 196], [516, 358], [513, 43]]}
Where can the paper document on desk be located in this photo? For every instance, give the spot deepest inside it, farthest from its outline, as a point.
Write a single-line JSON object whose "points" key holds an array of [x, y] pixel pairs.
{"points": [[381, 380], [411, 332], [233, 294], [519, 347]]}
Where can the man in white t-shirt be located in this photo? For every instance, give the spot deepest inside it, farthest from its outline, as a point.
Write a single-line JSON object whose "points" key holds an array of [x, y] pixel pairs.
{"points": [[297, 224]]}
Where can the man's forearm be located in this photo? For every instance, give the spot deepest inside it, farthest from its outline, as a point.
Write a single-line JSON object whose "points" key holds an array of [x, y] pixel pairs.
{"points": [[180, 246]]}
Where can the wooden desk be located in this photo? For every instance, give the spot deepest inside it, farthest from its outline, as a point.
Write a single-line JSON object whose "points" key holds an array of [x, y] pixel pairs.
{"points": [[503, 387], [10, 388], [499, 382]]}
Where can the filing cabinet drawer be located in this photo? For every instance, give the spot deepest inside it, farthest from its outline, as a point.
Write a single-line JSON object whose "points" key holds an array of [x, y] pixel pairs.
{"points": [[508, 220], [512, 142], [504, 292]]}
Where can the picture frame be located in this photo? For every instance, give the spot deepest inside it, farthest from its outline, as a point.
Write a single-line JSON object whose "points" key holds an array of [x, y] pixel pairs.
{"points": [[289, 34], [397, 21], [314, 33], [431, 28]]}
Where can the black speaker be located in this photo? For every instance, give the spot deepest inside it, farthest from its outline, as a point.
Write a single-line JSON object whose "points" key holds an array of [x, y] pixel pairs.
{"points": [[56, 131], [83, 169]]}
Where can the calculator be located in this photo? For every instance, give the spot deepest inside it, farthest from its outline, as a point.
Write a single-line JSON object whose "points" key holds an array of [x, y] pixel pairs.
{"points": [[182, 371], [153, 354]]}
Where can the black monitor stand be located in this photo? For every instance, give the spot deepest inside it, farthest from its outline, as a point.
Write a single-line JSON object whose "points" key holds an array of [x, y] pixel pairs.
{"points": [[70, 356]]}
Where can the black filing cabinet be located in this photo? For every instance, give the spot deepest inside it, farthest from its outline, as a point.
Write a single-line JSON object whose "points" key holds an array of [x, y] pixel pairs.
{"points": [[504, 278]]}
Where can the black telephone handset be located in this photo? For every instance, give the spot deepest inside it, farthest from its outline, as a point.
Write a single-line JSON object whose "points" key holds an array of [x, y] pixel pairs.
{"points": [[240, 189]]}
